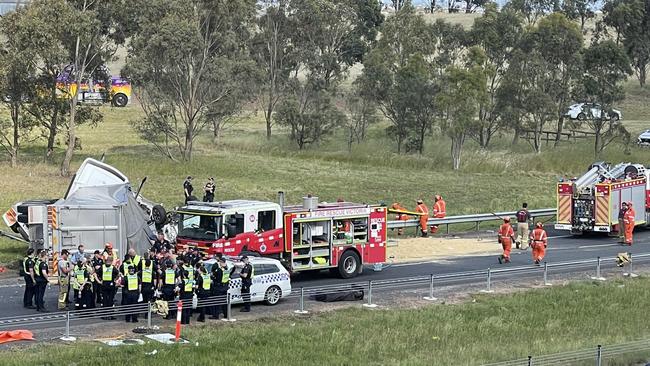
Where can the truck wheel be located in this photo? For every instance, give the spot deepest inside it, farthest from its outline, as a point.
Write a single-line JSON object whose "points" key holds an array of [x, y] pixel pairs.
{"points": [[349, 264], [159, 215], [14, 228], [582, 117], [120, 100], [272, 295]]}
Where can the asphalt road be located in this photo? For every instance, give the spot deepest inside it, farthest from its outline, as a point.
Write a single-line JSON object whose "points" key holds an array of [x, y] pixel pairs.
{"points": [[562, 247]]}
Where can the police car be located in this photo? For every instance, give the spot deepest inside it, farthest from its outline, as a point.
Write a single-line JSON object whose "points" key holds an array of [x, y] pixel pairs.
{"points": [[270, 279]]}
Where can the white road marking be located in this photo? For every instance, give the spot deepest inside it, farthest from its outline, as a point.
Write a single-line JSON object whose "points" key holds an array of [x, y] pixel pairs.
{"points": [[598, 246]]}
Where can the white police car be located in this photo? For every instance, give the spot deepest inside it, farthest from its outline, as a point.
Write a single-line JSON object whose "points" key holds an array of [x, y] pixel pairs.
{"points": [[270, 279]]}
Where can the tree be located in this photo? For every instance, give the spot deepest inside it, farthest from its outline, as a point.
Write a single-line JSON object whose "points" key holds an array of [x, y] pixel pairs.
{"points": [[631, 21], [532, 10], [275, 54], [463, 90], [498, 33], [394, 72], [579, 9], [189, 65], [606, 67], [362, 112], [471, 5]]}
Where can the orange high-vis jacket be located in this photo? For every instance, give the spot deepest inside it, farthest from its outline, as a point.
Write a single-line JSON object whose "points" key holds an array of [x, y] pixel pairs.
{"points": [[538, 236], [440, 209], [506, 232], [422, 208], [628, 217], [400, 216]]}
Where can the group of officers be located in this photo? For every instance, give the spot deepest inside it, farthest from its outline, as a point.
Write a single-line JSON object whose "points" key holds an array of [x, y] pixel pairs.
{"points": [[95, 280]]}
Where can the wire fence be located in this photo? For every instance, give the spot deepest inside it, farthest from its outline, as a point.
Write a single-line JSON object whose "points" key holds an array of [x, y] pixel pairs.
{"points": [[369, 292]]}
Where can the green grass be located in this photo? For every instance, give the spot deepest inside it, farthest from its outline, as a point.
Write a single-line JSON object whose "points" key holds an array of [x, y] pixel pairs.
{"points": [[493, 328]]}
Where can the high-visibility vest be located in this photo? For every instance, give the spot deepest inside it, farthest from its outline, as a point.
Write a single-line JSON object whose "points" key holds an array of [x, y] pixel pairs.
{"points": [[80, 276], [133, 282], [147, 273], [37, 269], [170, 276], [439, 209], [25, 266], [190, 272], [188, 285], [225, 276], [252, 272], [107, 273], [126, 266], [206, 281], [136, 260]]}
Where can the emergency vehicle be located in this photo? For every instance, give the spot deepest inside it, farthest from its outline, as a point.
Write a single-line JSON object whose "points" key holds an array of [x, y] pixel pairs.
{"points": [[592, 202], [341, 236]]}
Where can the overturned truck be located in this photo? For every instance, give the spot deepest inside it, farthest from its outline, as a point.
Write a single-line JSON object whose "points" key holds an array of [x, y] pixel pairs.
{"points": [[99, 207]]}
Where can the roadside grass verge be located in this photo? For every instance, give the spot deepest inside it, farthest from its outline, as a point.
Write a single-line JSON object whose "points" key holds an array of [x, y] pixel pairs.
{"points": [[490, 328]]}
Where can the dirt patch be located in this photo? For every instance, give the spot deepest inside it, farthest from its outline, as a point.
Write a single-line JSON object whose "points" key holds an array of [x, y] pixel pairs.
{"points": [[414, 249]]}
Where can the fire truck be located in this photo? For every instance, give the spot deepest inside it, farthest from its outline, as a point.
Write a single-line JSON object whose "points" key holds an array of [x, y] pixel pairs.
{"points": [[341, 236], [591, 202]]}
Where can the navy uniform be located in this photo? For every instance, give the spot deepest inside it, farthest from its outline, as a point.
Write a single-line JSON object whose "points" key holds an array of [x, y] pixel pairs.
{"points": [[221, 282], [148, 278], [168, 283], [187, 292], [41, 277], [203, 289], [29, 274], [79, 276], [108, 274], [246, 275], [209, 190], [97, 262], [188, 188], [131, 292]]}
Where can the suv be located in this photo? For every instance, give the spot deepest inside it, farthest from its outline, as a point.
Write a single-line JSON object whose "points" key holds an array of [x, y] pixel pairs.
{"points": [[270, 279], [584, 111]]}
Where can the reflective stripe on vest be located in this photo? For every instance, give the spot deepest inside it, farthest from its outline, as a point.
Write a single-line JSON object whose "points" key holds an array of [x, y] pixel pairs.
{"points": [[147, 273], [37, 268], [107, 273], [188, 285], [133, 282], [190, 272], [170, 276], [225, 276], [206, 281], [25, 265], [80, 276]]}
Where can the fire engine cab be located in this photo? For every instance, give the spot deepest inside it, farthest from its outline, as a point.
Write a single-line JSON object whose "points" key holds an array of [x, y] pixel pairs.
{"points": [[591, 203], [341, 236]]}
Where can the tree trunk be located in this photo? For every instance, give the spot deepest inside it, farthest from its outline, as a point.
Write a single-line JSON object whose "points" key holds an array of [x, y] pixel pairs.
{"points": [[69, 151], [560, 127], [187, 153], [642, 75], [456, 149], [515, 138], [15, 109], [51, 136]]}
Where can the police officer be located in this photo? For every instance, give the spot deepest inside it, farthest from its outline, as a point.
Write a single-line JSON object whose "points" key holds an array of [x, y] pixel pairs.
{"points": [[209, 190], [187, 188], [30, 280], [97, 262], [79, 277], [203, 290], [161, 243], [131, 292], [246, 275], [168, 284], [187, 267], [87, 296], [135, 258], [221, 279], [148, 277], [109, 276], [41, 280], [187, 286]]}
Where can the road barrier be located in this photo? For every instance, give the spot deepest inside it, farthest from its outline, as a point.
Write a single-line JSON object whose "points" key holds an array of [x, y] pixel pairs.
{"points": [[465, 219], [428, 283]]}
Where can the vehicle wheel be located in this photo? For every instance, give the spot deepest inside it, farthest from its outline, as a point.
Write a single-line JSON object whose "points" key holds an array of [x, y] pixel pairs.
{"points": [[14, 228], [159, 215], [615, 118], [23, 233], [120, 100], [349, 264], [272, 295], [582, 117]]}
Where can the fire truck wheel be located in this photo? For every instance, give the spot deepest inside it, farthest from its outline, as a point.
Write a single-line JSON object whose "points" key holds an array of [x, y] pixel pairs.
{"points": [[349, 264], [159, 215], [272, 295], [14, 228], [120, 100]]}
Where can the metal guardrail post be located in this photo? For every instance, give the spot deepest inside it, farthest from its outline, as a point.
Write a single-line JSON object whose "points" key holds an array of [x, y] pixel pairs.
{"points": [[370, 304], [149, 315], [229, 317], [489, 282], [67, 337], [546, 283], [598, 277], [631, 273], [599, 355], [430, 297], [302, 303], [530, 360]]}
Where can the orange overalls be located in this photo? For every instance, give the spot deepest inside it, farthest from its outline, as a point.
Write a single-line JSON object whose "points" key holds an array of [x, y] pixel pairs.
{"points": [[400, 216], [424, 210], [628, 219], [505, 238], [439, 212], [539, 242]]}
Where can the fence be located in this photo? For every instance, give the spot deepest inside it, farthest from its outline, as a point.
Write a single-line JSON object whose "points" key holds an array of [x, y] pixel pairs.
{"points": [[370, 288]]}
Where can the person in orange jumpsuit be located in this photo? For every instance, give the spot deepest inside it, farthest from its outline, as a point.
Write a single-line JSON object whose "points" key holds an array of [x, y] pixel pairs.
{"points": [[628, 220], [422, 209], [400, 216], [506, 237], [539, 242], [439, 211]]}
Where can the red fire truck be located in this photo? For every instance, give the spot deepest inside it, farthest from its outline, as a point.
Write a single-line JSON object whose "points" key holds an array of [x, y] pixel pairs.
{"points": [[341, 236], [591, 202]]}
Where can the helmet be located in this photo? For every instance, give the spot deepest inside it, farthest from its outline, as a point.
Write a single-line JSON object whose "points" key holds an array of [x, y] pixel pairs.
{"points": [[540, 225], [438, 197], [506, 219], [419, 201], [629, 204], [108, 246]]}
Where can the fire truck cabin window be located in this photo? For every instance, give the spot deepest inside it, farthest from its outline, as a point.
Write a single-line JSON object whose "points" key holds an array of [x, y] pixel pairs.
{"points": [[266, 220]]}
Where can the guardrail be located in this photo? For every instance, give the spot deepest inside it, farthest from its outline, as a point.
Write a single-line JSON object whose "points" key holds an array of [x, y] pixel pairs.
{"points": [[369, 289], [464, 219]]}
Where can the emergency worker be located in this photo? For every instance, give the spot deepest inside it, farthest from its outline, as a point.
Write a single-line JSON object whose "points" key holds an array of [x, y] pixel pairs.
{"points": [[131, 292], [108, 275], [187, 291], [423, 210], [203, 289], [108, 252], [79, 277], [188, 188], [209, 190], [439, 211], [41, 279], [135, 258], [506, 237], [628, 221], [64, 279], [87, 296], [221, 283], [30, 280], [97, 262], [168, 284], [148, 277], [246, 275], [621, 223], [539, 242], [523, 220], [400, 216]]}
